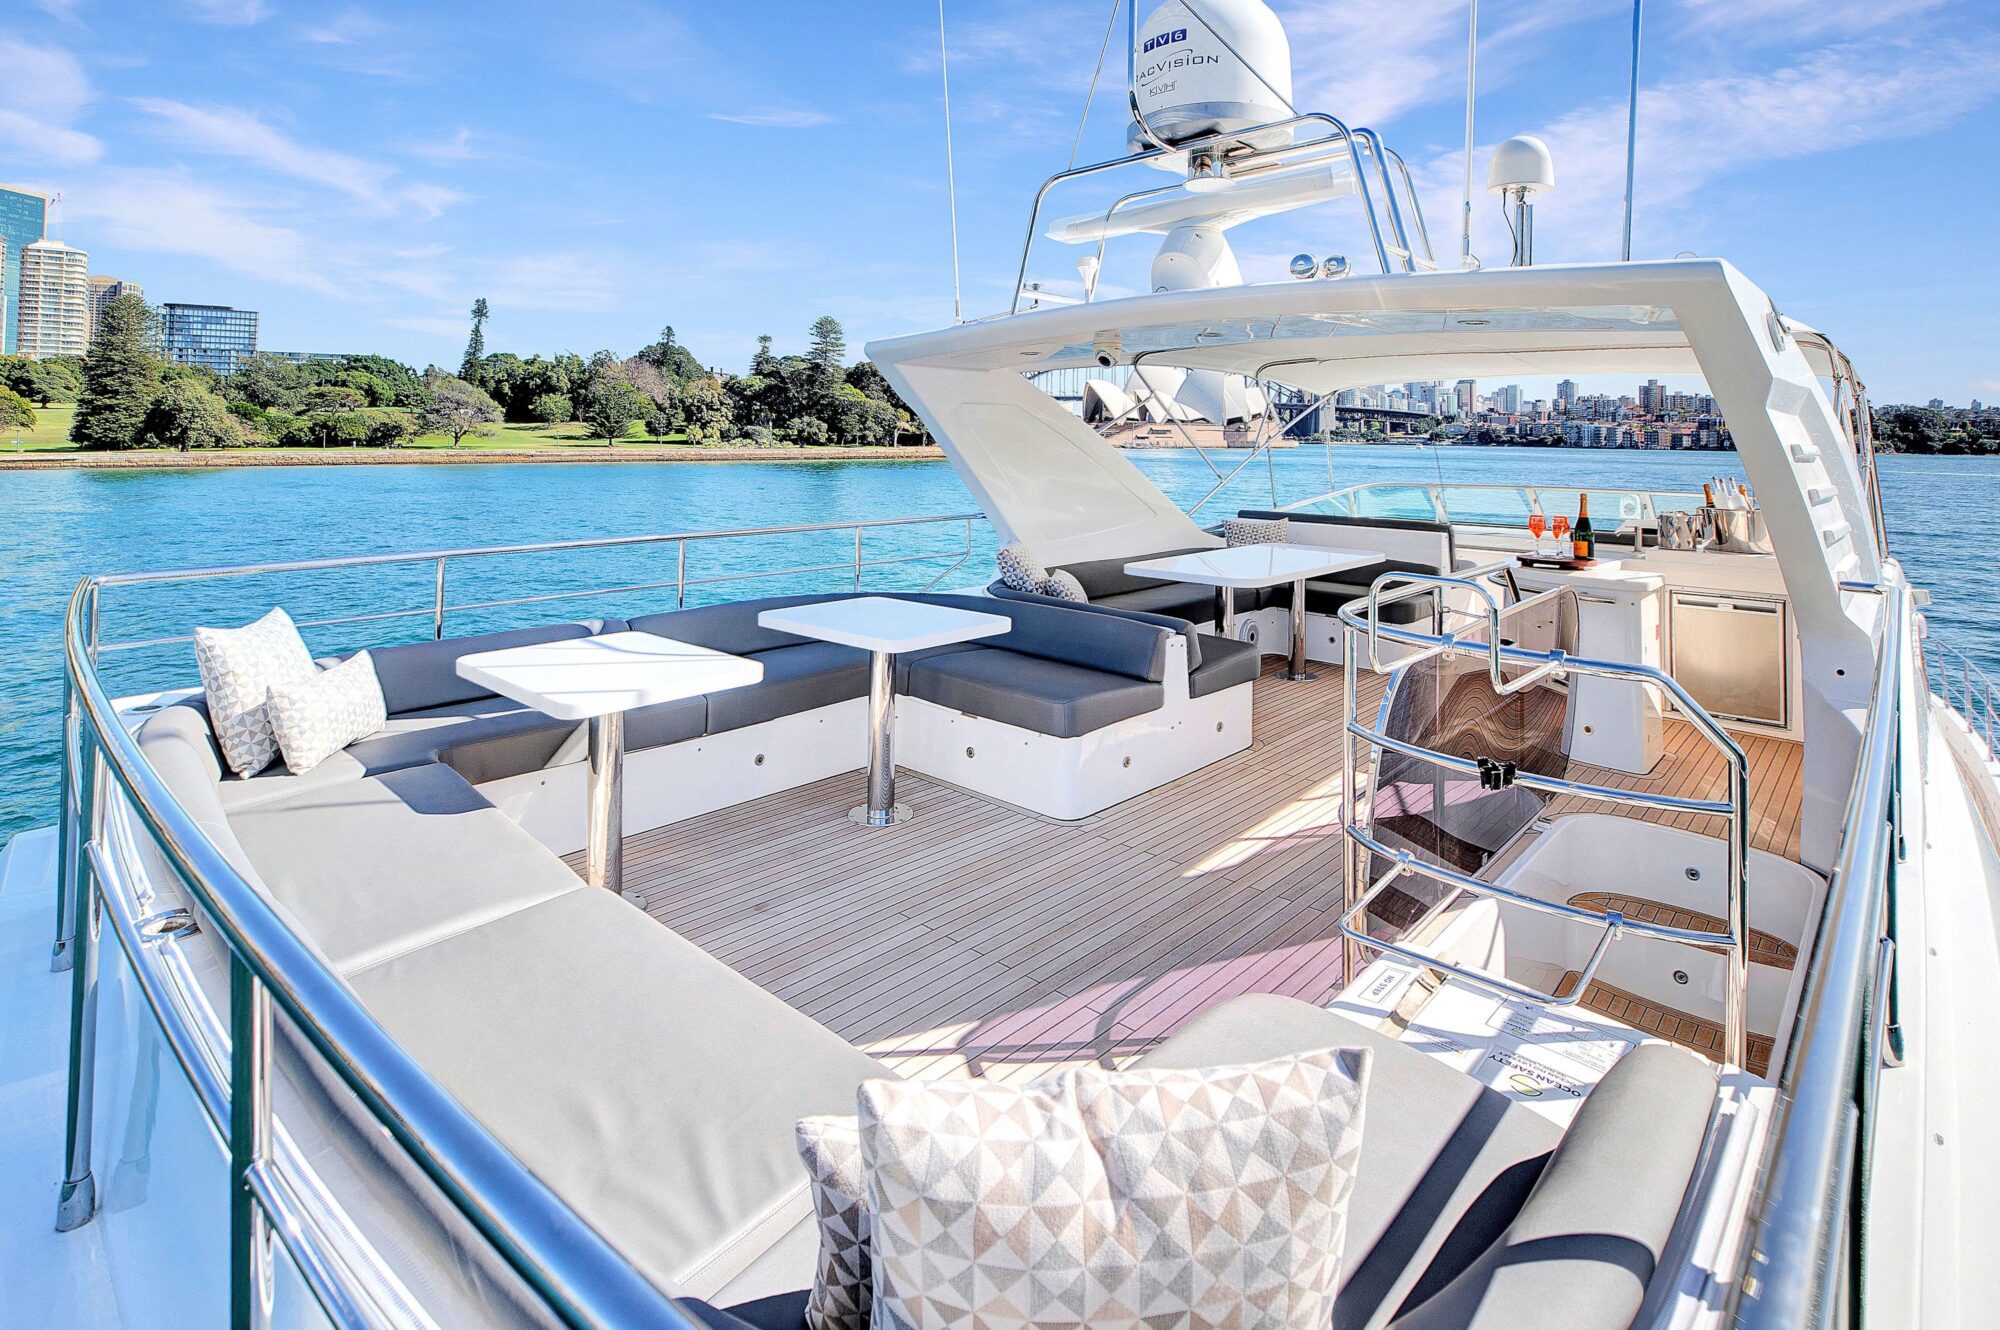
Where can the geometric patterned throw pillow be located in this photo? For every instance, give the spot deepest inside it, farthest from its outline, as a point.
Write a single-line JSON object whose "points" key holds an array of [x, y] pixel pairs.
{"points": [[1019, 570], [1256, 531], [1097, 1198], [842, 1286], [238, 667], [315, 718], [1062, 585]]}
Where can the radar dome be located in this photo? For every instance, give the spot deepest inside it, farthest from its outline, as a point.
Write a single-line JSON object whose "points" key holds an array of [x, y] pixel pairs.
{"points": [[1213, 68]]}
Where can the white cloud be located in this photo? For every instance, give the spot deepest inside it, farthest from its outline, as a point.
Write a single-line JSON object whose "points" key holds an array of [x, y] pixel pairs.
{"points": [[231, 13], [1796, 20], [774, 117], [457, 147], [1695, 132], [230, 132], [42, 127], [560, 281], [166, 213]]}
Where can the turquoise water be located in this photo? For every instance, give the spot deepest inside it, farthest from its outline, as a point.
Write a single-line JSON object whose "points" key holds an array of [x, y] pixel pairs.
{"points": [[56, 526]]}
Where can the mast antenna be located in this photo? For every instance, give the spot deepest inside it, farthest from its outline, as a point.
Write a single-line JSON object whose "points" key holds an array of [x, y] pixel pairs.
{"points": [[950, 171], [1632, 128], [1465, 259]]}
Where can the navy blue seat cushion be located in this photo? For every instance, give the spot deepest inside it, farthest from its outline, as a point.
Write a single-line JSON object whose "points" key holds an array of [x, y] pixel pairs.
{"points": [[1224, 664], [731, 627], [1047, 696], [421, 676], [796, 678], [666, 723], [1054, 630]]}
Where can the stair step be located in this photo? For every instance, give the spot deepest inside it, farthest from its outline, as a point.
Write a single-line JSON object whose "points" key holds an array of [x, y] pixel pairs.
{"points": [[1677, 1027], [1765, 948]]}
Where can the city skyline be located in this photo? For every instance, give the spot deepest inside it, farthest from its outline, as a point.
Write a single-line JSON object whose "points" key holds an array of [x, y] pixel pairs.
{"points": [[361, 177]]}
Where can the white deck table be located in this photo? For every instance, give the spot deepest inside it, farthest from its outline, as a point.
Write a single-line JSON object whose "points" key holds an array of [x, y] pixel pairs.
{"points": [[885, 627], [599, 679], [1246, 566]]}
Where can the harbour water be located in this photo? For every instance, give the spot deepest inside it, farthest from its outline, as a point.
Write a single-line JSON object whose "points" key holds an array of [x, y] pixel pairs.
{"points": [[57, 526]]}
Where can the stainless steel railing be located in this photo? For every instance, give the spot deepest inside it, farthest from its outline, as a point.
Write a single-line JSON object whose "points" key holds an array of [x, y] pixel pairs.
{"points": [[1396, 248], [1967, 689], [112, 799], [1350, 502], [1361, 622], [1809, 1209]]}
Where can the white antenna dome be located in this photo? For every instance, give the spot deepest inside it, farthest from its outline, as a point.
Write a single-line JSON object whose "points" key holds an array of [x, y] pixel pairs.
{"points": [[1222, 67], [1522, 163]]}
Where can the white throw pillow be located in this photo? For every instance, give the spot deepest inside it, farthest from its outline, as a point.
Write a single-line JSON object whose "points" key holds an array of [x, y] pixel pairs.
{"points": [[1063, 586], [315, 718], [1110, 1199], [1019, 570], [238, 668], [1256, 530]]}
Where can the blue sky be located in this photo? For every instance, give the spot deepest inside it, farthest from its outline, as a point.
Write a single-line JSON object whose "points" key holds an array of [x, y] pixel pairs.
{"points": [[360, 174]]}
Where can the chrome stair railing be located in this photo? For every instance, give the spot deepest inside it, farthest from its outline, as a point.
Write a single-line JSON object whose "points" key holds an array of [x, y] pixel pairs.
{"points": [[1364, 624], [1967, 689]]}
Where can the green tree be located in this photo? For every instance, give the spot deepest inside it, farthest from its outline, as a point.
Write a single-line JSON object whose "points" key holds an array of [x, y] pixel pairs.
{"points": [[16, 412], [266, 381], [763, 362], [120, 377], [704, 410], [187, 415], [609, 407], [829, 346], [550, 409], [672, 359], [475, 345], [46, 382], [455, 408]]}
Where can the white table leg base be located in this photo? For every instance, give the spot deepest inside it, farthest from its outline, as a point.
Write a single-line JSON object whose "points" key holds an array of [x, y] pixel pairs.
{"points": [[1297, 666], [863, 815], [604, 855]]}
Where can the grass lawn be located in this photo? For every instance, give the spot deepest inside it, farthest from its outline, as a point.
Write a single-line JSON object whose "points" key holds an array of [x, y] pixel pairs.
{"points": [[50, 434]]}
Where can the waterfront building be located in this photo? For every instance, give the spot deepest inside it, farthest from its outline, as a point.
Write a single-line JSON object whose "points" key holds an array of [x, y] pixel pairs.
{"points": [[217, 337], [54, 301], [23, 221], [104, 290], [1566, 393], [1467, 395], [1507, 400], [308, 357]]}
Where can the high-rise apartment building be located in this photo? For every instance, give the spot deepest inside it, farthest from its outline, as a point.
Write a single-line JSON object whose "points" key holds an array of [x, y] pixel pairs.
{"points": [[54, 301], [1467, 394], [1566, 394], [104, 290], [1507, 400], [217, 337], [24, 217]]}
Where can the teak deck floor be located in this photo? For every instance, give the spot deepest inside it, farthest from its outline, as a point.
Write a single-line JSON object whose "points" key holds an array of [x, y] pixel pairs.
{"points": [[981, 939]]}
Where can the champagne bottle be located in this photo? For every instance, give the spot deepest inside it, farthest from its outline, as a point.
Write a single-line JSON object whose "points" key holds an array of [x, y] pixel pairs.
{"points": [[1582, 540], [1708, 495]]}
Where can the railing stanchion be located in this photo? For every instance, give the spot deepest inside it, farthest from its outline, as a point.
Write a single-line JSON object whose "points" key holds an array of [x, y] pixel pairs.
{"points": [[857, 556], [680, 574], [66, 837], [77, 1202], [1736, 1014], [249, 1145], [1350, 950], [437, 605]]}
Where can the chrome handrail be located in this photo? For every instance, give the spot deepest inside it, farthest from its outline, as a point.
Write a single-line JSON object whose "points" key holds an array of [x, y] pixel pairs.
{"points": [[1437, 493], [1812, 1183], [440, 607], [1977, 697], [1359, 619], [1353, 141], [576, 1275]]}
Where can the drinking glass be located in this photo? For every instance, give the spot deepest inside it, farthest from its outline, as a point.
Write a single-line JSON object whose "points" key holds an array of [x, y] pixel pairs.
{"points": [[1537, 524], [1560, 529]]}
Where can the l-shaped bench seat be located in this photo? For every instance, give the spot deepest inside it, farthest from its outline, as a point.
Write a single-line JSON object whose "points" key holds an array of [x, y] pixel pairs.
{"points": [[654, 1089]]}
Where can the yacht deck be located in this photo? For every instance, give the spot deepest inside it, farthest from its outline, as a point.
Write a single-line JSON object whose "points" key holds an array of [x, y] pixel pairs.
{"points": [[981, 939]]}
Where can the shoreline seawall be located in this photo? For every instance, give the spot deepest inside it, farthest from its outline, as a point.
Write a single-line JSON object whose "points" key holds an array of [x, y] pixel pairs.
{"points": [[252, 457]]}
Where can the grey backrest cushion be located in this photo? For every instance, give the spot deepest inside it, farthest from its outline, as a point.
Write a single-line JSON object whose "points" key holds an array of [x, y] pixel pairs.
{"points": [[180, 747], [1060, 631], [1167, 621], [420, 675], [1585, 1246], [731, 627], [1107, 577], [1432, 541]]}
